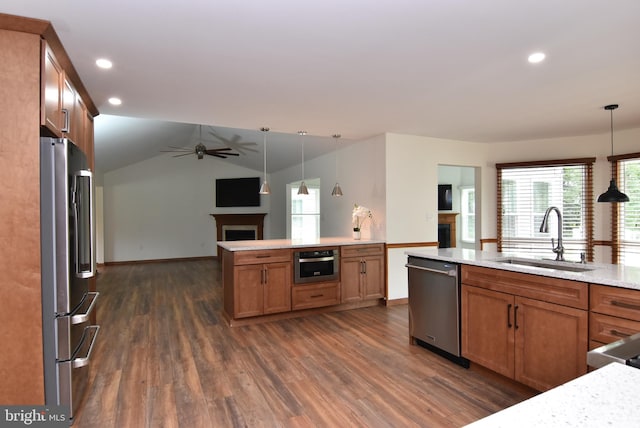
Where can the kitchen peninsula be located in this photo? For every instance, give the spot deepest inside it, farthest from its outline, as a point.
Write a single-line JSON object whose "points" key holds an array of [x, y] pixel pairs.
{"points": [[266, 280], [533, 320]]}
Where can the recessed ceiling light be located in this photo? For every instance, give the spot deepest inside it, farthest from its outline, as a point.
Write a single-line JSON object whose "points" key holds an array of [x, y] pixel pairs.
{"points": [[115, 101], [537, 57], [104, 63]]}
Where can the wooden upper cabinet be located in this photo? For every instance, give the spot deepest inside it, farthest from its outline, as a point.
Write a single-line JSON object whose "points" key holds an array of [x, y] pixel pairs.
{"points": [[63, 111], [52, 77]]}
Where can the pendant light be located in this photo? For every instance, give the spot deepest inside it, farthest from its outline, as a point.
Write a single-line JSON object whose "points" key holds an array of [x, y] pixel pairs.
{"points": [[302, 190], [265, 189], [337, 191], [612, 194]]}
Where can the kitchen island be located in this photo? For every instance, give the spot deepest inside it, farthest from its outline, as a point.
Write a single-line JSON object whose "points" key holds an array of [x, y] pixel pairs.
{"points": [[533, 320], [265, 280]]}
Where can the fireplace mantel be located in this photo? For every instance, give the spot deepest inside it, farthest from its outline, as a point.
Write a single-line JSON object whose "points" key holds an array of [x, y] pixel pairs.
{"points": [[254, 219]]}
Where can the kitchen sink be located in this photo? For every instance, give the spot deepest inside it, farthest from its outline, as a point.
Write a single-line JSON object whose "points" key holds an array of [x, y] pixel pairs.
{"points": [[546, 264]]}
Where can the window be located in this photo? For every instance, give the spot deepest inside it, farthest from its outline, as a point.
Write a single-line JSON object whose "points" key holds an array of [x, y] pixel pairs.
{"points": [[305, 211], [526, 190], [627, 238], [468, 214]]}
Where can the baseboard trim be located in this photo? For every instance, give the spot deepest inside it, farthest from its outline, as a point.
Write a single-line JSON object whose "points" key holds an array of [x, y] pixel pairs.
{"points": [[178, 259], [396, 302]]}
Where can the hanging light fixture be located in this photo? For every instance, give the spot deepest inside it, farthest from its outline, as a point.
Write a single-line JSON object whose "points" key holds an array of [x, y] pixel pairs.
{"points": [[302, 190], [612, 194], [337, 191], [265, 189]]}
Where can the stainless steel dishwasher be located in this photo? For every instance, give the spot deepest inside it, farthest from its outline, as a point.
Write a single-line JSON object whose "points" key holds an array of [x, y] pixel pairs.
{"points": [[434, 307]]}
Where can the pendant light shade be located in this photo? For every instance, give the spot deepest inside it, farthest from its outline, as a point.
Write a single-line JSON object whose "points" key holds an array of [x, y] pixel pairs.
{"points": [[265, 189], [612, 194], [302, 190], [337, 190]]}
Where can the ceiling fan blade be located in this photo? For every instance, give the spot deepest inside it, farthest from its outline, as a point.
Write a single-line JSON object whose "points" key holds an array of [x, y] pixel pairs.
{"points": [[182, 154]]}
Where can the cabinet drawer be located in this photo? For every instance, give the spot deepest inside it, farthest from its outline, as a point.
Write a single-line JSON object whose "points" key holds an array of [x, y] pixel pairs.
{"points": [[361, 250], [261, 256], [315, 295], [553, 290], [619, 302], [607, 329]]}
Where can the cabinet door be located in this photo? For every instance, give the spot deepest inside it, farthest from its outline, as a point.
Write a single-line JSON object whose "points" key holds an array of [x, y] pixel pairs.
{"points": [[51, 101], [69, 110], [551, 343], [373, 287], [487, 329], [277, 287], [248, 291], [350, 271]]}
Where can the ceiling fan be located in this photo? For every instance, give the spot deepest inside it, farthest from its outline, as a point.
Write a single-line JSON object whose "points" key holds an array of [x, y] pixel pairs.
{"points": [[235, 143], [200, 150]]}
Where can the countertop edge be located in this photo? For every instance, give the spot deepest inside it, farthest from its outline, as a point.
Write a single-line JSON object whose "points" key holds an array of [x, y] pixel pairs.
{"points": [[604, 274], [279, 244]]}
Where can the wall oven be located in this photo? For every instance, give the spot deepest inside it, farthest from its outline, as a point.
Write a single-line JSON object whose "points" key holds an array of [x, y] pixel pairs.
{"points": [[316, 265]]}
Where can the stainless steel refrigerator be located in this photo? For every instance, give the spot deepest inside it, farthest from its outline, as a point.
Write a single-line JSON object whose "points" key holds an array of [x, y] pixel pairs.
{"points": [[68, 263]]}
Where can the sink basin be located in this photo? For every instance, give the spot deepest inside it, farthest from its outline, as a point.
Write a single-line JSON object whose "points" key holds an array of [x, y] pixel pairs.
{"points": [[546, 264]]}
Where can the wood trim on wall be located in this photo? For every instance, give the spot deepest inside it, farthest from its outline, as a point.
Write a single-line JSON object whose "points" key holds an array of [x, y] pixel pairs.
{"points": [[487, 241], [412, 244], [178, 259]]}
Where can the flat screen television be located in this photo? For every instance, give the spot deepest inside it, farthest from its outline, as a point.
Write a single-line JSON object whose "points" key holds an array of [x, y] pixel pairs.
{"points": [[445, 197], [238, 192]]}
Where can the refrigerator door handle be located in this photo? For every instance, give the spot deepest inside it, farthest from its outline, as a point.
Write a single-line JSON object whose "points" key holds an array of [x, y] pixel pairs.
{"points": [[84, 360], [78, 203], [84, 317]]}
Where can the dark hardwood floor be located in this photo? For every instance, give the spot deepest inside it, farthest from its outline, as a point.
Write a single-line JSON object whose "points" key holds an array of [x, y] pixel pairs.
{"points": [[166, 358]]}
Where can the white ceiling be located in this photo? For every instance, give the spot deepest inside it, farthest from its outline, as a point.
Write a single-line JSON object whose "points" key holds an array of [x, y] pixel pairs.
{"points": [[453, 69]]}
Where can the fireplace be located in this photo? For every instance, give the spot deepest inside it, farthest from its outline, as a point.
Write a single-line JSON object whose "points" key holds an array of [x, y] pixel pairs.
{"points": [[444, 236], [236, 227], [239, 232], [447, 230]]}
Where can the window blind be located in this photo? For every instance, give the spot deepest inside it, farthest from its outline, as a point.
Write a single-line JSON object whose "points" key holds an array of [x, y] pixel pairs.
{"points": [[629, 212], [526, 190]]}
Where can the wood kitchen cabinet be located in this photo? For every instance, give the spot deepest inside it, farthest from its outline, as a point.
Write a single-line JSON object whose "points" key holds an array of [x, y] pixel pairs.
{"points": [[260, 282], [614, 314], [34, 64], [362, 272], [529, 328], [63, 111], [316, 295]]}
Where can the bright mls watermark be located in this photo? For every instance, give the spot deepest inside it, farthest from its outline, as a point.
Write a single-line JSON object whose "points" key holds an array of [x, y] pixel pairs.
{"points": [[34, 416]]}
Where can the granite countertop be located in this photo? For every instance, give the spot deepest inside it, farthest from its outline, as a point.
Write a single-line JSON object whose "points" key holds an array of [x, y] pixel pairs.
{"points": [[601, 273], [273, 244], [606, 397]]}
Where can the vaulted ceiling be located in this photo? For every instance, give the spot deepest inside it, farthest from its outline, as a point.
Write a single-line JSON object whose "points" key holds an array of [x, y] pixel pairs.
{"points": [[452, 69]]}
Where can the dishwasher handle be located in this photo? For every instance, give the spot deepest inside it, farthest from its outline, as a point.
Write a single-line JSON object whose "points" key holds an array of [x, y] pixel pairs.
{"points": [[452, 272]]}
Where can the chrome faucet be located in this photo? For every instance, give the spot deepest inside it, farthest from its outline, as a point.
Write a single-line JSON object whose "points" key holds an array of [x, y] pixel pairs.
{"points": [[544, 228]]}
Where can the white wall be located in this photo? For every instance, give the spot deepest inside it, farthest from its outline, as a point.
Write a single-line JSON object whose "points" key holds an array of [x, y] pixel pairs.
{"points": [[412, 210], [160, 208], [412, 195], [361, 173]]}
